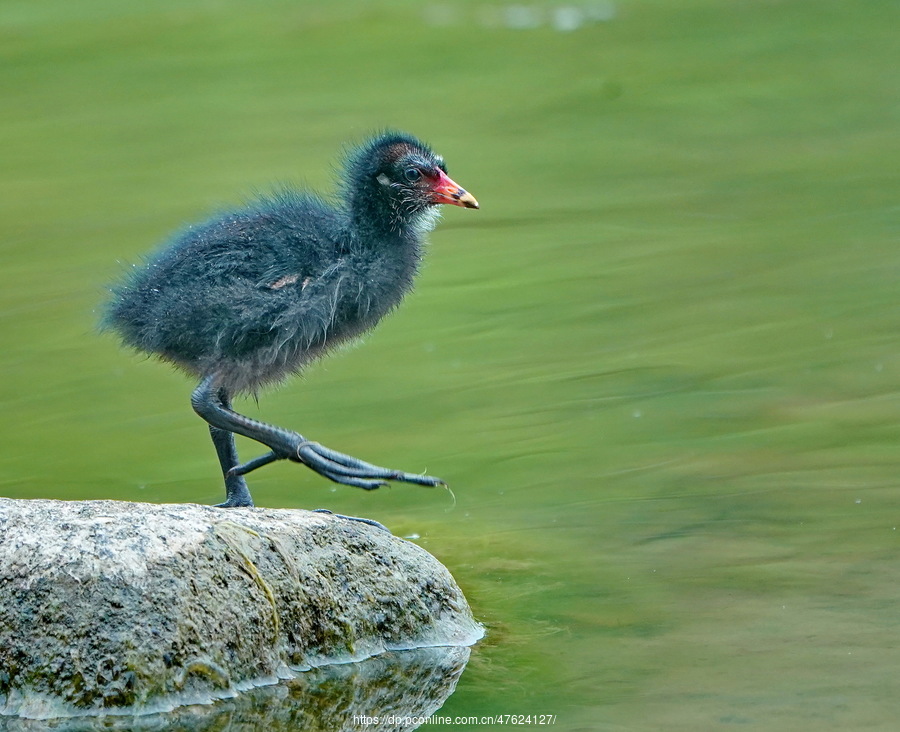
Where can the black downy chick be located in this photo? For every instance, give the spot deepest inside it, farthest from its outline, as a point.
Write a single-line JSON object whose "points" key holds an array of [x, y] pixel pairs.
{"points": [[252, 296]]}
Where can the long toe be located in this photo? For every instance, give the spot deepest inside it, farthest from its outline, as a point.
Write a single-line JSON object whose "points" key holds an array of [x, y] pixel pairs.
{"points": [[323, 461], [365, 484], [352, 471], [352, 462], [370, 522], [346, 460]]}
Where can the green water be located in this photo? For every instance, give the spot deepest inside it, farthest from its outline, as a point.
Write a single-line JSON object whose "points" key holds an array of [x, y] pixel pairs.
{"points": [[659, 368]]}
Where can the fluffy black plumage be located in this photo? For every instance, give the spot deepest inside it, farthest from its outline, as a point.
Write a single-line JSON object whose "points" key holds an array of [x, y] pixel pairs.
{"points": [[254, 294]]}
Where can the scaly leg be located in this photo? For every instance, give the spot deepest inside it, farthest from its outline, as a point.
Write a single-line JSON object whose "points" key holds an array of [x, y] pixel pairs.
{"points": [[236, 491], [212, 404]]}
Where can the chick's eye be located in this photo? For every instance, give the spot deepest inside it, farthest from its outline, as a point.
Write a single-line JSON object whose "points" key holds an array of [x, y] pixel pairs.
{"points": [[412, 174]]}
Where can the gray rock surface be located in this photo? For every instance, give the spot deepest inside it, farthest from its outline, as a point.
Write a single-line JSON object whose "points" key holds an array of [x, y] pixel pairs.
{"points": [[139, 608]]}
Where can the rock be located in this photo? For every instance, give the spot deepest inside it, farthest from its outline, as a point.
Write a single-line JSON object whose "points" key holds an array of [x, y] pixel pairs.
{"points": [[140, 608]]}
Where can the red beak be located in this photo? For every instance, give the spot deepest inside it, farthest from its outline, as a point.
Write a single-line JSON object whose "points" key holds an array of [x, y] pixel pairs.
{"points": [[446, 191]]}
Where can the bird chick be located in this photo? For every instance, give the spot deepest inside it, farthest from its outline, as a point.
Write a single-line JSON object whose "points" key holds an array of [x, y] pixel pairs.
{"points": [[255, 294]]}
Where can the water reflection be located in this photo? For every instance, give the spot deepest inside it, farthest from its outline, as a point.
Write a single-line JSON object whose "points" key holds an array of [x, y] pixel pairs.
{"points": [[396, 687]]}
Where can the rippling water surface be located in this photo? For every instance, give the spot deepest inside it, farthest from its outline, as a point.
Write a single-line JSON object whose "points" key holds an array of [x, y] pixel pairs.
{"points": [[659, 368]]}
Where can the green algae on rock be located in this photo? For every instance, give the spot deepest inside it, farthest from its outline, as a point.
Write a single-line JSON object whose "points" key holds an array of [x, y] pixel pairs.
{"points": [[109, 606]]}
